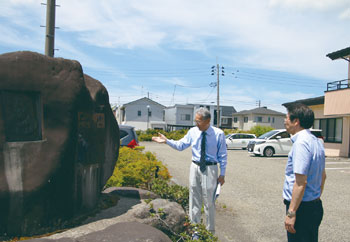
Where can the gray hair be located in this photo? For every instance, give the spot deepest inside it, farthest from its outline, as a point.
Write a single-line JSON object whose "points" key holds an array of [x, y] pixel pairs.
{"points": [[204, 113]]}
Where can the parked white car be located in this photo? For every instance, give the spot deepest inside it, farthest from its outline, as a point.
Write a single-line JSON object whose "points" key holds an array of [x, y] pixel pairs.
{"points": [[275, 142], [238, 141]]}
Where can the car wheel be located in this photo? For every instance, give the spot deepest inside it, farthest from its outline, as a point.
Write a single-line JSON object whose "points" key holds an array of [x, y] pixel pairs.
{"points": [[268, 152]]}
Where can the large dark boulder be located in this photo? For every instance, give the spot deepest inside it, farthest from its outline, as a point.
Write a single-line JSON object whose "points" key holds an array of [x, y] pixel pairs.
{"points": [[59, 141]]}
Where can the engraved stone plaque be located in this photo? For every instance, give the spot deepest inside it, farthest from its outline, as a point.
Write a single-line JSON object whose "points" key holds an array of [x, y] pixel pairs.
{"points": [[22, 116], [99, 120], [84, 120]]}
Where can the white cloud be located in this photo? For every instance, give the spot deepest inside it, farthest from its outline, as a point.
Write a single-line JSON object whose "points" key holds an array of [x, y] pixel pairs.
{"points": [[175, 80], [345, 14], [311, 4], [287, 35], [23, 41]]}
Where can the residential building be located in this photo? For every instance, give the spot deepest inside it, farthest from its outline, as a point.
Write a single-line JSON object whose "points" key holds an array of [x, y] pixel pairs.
{"points": [[182, 116], [142, 114], [247, 119], [179, 116], [332, 111]]}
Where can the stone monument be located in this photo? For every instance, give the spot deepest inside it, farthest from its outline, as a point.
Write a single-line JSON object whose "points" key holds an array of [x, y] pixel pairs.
{"points": [[59, 141]]}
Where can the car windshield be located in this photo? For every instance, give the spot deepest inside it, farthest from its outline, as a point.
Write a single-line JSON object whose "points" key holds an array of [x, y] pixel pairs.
{"points": [[268, 134]]}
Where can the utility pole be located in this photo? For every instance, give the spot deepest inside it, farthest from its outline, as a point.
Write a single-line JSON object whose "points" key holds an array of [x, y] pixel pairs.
{"points": [[258, 103], [50, 27], [217, 84], [218, 97]]}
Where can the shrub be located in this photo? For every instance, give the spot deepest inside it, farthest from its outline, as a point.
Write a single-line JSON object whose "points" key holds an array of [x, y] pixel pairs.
{"points": [[147, 135], [259, 130], [137, 169], [204, 235], [174, 192]]}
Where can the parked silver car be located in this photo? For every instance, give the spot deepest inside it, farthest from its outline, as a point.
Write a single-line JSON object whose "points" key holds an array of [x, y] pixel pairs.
{"points": [[238, 141]]}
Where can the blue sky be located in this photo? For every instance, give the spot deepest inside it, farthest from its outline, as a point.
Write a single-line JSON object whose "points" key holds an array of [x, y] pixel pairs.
{"points": [[272, 50]]}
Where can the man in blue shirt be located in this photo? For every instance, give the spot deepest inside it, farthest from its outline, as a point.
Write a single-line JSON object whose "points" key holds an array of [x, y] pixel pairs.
{"points": [[208, 150], [304, 177]]}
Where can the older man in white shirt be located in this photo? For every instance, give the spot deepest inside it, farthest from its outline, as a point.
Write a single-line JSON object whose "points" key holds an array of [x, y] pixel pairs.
{"points": [[208, 150]]}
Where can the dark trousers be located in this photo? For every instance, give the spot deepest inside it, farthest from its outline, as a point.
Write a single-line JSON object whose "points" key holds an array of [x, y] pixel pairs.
{"points": [[308, 219]]}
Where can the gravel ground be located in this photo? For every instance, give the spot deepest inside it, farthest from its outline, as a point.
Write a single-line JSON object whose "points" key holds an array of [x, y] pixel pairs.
{"points": [[250, 206]]}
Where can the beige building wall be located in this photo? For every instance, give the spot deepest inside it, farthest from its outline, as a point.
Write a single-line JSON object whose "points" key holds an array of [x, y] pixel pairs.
{"points": [[335, 149], [337, 102], [278, 121]]}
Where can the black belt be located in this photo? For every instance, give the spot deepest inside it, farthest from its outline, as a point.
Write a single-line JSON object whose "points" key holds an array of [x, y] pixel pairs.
{"points": [[207, 163], [286, 202]]}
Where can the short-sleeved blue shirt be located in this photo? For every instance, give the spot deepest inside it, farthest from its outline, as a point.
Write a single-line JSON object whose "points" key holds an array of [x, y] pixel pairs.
{"points": [[307, 158]]}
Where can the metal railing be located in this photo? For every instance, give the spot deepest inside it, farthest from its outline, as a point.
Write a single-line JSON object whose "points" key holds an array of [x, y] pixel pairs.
{"points": [[337, 85]]}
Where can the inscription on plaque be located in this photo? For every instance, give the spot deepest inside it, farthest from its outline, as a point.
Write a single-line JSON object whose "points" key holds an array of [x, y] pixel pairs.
{"points": [[22, 116], [84, 120], [99, 119]]}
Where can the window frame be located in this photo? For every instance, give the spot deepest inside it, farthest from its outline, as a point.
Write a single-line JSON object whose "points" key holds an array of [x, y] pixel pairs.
{"points": [[258, 119], [326, 133], [185, 117]]}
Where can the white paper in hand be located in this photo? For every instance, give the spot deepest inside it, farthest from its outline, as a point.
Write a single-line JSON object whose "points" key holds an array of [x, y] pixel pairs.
{"points": [[217, 192]]}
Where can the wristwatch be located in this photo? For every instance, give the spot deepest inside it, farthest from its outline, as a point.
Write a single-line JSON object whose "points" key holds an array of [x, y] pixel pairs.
{"points": [[290, 214]]}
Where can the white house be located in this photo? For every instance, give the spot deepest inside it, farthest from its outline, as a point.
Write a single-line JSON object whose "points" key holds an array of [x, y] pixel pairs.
{"points": [[179, 116], [263, 116], [142, 114]]}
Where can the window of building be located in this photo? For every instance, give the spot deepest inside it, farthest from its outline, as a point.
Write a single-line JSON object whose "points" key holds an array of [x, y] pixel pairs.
{"points": [[273, 119], [269, 119], [185, 117], [149, 113], [139, 113], [235, 119], [332, 129], [246, 119], [258, 119], [224, 121]]}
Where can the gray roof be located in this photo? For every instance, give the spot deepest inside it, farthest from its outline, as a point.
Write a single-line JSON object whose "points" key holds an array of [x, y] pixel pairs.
{"points": [[144, 99], [262, 110], [308, 101], [228, 110]]}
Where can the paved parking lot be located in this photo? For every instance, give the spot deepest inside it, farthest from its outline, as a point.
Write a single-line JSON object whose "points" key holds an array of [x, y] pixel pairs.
{"points": [[250, 206]]}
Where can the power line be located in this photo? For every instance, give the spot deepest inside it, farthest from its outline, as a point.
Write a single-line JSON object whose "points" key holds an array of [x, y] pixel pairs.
{"points": [[280, 82]]}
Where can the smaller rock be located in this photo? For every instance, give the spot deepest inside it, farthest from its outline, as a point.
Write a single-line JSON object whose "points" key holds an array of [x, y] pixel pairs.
{"points": [[167, 216], [120, 232], [131, 192]]}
